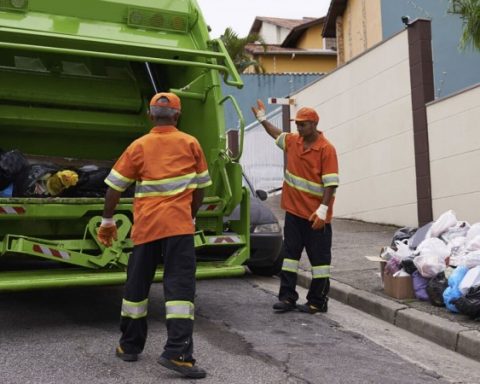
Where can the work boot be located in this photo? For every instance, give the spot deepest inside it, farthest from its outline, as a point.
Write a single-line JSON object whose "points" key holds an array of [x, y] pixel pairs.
{"points": [[185, 368], [284, 306], [120, 353], [312, 309]]}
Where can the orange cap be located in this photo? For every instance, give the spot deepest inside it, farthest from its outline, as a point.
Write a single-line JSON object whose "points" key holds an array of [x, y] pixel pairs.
{"points": [[307, 114], [173, 101]]}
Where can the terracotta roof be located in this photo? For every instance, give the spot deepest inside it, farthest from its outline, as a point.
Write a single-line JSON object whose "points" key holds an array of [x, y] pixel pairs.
{"points": [[337, 7], [297, 32], [284, 23]]}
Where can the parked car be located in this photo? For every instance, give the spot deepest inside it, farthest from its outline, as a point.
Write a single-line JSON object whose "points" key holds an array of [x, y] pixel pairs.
{"points": [[265, 234]]}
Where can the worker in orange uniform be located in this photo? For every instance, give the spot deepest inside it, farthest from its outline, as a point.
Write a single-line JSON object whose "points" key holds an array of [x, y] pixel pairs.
{"points": [[311, 178], [170, 172]]}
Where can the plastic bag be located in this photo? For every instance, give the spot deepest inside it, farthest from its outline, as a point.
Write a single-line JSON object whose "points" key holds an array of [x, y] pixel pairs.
{"points": [[408, 265], [460, 229], [435, 288], [404, 233], [473, 232], [470, 303], [420, 286], [32, 181], [444, 222], [392, 266], [430, 260], [452, 292], [471, 279], [11, 165]]}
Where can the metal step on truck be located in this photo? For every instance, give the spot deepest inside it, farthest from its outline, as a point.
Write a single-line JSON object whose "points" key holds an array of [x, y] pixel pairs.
{"points": [[75, 81]]}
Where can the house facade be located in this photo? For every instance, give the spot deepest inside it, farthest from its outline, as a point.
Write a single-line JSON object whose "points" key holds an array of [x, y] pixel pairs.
{"points": [[358, 25], [292, 46]]}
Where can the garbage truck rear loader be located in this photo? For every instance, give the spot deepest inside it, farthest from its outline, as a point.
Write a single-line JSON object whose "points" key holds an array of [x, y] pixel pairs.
{"points": [[75, 81]]}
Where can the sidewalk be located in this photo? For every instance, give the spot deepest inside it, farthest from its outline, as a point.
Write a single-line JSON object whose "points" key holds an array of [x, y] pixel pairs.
{"points": [[356, 281]]}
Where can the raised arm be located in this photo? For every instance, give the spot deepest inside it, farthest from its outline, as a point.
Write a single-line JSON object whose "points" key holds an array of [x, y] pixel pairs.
{"points": [[259, 114]]}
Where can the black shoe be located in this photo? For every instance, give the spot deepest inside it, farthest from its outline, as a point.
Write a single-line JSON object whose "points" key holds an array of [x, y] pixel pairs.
{"points": [[284, 306], [120, 353], [311, 308], [187, 369]]}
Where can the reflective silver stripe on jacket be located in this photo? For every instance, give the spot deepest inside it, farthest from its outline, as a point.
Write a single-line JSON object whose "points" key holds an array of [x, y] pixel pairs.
{"points": [[203, 180], [280, 141], [290, 265], [303, 185], [134, 310], [172, 186], [179, 309], [330, 180], [117, 181], [320, 271]]}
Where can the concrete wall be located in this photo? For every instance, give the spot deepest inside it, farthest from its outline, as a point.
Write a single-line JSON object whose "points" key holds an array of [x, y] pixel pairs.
{"points": [[454, 138], [365, 110]]}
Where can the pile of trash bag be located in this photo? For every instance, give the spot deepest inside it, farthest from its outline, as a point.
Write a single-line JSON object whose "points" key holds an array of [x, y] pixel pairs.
{"points": [[443, 258], [19, 178]]}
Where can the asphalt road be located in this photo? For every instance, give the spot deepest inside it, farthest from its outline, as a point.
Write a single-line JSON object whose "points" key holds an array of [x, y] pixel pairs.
{"points": [[68, 336]]}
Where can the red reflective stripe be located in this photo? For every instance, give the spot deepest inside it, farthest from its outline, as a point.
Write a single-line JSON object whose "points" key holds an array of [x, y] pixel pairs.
{"points": [[8, 210], [51, 252]]}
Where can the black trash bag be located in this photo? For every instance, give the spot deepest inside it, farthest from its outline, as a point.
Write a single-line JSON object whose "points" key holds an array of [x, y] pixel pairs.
{"points": [[90, 182], [12, 163], [31, 182], [470, 303], [404, 233], [435, 289], [408, 265]]}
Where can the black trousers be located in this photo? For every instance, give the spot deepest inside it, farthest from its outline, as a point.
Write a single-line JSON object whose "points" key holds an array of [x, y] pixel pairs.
{"points": [[178, 256], [298, 234]]}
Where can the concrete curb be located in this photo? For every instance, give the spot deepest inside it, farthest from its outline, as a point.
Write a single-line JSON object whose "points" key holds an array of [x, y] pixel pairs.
{"points": [[436, 329]]}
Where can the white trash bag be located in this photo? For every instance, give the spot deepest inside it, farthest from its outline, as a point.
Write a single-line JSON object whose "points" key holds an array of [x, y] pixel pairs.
{"points": [[444, 222], [471, 279], [431, 255]]}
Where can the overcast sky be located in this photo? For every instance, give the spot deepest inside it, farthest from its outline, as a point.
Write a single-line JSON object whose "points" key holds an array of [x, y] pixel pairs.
{"points": [[240, 14]]}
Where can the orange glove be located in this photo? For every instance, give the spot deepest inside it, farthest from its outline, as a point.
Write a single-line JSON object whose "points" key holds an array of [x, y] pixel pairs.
{"points": [[107, 232], [319, 216], [260, 111]]}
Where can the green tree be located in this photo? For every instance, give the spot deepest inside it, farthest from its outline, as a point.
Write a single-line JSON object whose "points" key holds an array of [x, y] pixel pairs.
{"points": [[469, 12], [236, 45]]}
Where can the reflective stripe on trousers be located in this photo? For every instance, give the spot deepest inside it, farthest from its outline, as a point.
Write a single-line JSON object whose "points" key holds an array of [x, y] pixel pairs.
{"points": [[320, 271], [134, 310], [179, 309], [290, 265]]}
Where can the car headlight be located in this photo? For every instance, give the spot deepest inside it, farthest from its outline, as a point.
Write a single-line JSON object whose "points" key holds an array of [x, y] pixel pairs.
{"points": [[263, 228]]}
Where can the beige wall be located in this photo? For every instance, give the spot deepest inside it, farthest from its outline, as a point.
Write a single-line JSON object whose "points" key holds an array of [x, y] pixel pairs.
{"points": [[454, 137], [362, 26], [297, 63], [312, 38], [365, 110]]}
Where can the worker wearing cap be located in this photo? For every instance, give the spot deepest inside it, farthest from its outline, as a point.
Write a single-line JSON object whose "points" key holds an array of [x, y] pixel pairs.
{"points": [[311, 178], [170, 172]]}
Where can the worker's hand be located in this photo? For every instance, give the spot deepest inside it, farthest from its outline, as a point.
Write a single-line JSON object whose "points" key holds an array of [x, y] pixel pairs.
{"points": [[319, 216], [107, 232], [260, 111]]}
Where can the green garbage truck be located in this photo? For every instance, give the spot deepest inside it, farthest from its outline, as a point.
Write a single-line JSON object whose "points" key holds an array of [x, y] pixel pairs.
{"points": [[75, 81]]}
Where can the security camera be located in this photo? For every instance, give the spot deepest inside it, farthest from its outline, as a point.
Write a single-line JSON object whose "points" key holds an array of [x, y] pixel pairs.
{"points": [[406, 20]]}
